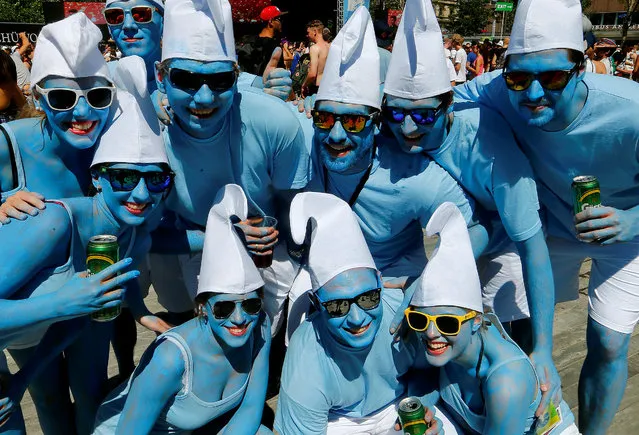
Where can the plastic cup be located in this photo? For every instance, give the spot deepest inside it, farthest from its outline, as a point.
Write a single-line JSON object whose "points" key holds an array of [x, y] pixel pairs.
{"points": [[263, 261]]}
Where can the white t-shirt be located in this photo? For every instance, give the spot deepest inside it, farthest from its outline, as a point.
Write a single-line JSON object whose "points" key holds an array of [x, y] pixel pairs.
{"points": [[460, 58], [452, 74]]}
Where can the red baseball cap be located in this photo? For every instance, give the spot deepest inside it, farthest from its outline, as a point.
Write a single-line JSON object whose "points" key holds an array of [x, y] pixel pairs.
{"points": [[270, 12]]}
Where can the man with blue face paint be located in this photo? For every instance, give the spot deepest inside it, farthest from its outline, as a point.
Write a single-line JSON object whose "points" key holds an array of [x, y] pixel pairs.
{"points": [[221, 135], [131, 178], [484, 158], [486, 381], [173, 383], [357, 373], [570, 123]]}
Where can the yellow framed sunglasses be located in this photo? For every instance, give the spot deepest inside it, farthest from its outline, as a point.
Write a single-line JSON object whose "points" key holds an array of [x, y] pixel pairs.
{"points": [[447, 324]]}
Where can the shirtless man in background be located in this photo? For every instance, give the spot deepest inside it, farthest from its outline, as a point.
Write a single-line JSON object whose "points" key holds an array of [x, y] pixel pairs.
{"points": [[319, 53]]}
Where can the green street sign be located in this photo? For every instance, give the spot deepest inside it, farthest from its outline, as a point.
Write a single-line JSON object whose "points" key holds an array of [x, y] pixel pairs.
{"points": [[503, 7]]}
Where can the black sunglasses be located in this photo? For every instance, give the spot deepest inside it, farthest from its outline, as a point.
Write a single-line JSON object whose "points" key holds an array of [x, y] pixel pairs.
{"points": [[223, 309], [549, 80], [190, 81], [368, 300], [351, 123], [125, 180], [420, 116]]}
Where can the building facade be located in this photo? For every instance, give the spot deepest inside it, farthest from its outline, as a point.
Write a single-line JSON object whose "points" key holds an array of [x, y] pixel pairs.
{"points": [[607, 19]]}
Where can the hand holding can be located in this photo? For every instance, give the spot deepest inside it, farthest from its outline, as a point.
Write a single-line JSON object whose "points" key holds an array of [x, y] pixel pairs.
{"points": [[102, 252]]}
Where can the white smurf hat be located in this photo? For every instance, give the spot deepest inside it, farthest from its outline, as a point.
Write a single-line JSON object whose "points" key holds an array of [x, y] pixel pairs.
{"points": [[546, 24], [133, 135], [226, 265], [199, 30], [337, 242], [69, 48], [450, 277], [351, 74], [158, 3], [418, 65]]}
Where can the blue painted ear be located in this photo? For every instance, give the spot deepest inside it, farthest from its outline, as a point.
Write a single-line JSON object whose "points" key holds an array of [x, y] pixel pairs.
{"points": [[158, 78], [477, 323]]}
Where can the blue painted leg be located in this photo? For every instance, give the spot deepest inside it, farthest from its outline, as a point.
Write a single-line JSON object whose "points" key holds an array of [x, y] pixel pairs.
{"points": [[603, 378]]}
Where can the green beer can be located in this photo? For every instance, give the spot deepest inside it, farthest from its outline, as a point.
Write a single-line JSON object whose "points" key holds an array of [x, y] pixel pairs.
{"points": [[585, 193], [412, 415], [102, 252]]}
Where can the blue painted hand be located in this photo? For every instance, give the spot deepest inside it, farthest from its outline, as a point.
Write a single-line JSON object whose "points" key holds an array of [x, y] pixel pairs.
{"points": [[258, 240], [435, 426], [84, 294], [549, 380], [398, 327], [277, 81], [606, 225], [20, 206]]}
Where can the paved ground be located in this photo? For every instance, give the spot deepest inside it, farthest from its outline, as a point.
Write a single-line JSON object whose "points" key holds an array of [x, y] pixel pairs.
{"points": [[569, 352]]}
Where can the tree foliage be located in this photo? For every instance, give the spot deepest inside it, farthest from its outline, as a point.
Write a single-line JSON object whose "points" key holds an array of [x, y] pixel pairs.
{"points": [[21, 11], [470, 17]]}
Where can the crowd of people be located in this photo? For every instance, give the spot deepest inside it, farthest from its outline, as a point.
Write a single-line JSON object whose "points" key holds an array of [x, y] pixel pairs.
{"points": [[257, 211]]}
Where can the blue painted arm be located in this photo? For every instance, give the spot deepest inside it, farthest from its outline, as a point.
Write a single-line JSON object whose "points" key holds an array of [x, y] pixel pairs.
{"points": [[140, 311], [158, 381], [479, 238], [508, 393], [607, 225], [173, 241], [476, 89], [247, 418], [540, 292]]}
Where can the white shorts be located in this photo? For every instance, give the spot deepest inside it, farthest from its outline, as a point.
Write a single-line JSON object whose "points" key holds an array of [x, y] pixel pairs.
{"points": [[613, 290], [381, 423], [175, 280], [503, 289]]}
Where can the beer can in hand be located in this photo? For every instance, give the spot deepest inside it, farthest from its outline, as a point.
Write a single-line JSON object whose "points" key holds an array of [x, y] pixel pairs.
{"points": [[412, 416], [102, 252], [585, 193]]}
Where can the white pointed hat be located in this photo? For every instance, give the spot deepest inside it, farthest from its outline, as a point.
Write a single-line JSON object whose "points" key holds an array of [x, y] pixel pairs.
{"points": [[199, 30], [418, 65], [69, 48], [351, 74], [227, 267], [546, 24], [450, 277], [133, 135], [337, 243], [158, 3]]}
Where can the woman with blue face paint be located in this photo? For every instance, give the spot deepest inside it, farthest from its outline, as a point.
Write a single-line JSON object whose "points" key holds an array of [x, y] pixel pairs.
{"points": [[486, 381], [475, 145], [71, 84], [211, 371], [132, 179], [358, 373], [570, 123], [219, 136]]}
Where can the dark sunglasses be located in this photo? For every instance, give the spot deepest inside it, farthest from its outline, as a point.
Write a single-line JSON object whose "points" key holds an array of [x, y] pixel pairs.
{"points": [[549, 80], [125, 180], [191, 81], [223, 309], [420, 116], [340, 307], [61, 99], [447, 324], [351, 123], [140, 14]]}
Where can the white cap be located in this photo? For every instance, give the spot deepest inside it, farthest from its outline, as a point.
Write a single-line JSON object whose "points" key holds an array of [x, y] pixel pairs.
{"points": [[450, 277], [418, 65], [69, 48], [546, 24], [158, 3], [199, 30], [133, 135], [226, 265], [351, 74], [337, 242]]}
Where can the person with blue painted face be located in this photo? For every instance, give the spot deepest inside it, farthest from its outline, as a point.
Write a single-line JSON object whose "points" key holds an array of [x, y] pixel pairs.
{"points": [[392, 193], [71, 84], [132, 178], [485, 380], [219, 136], [230, 340], [343, 373], [570, 123], [475, 145]]}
